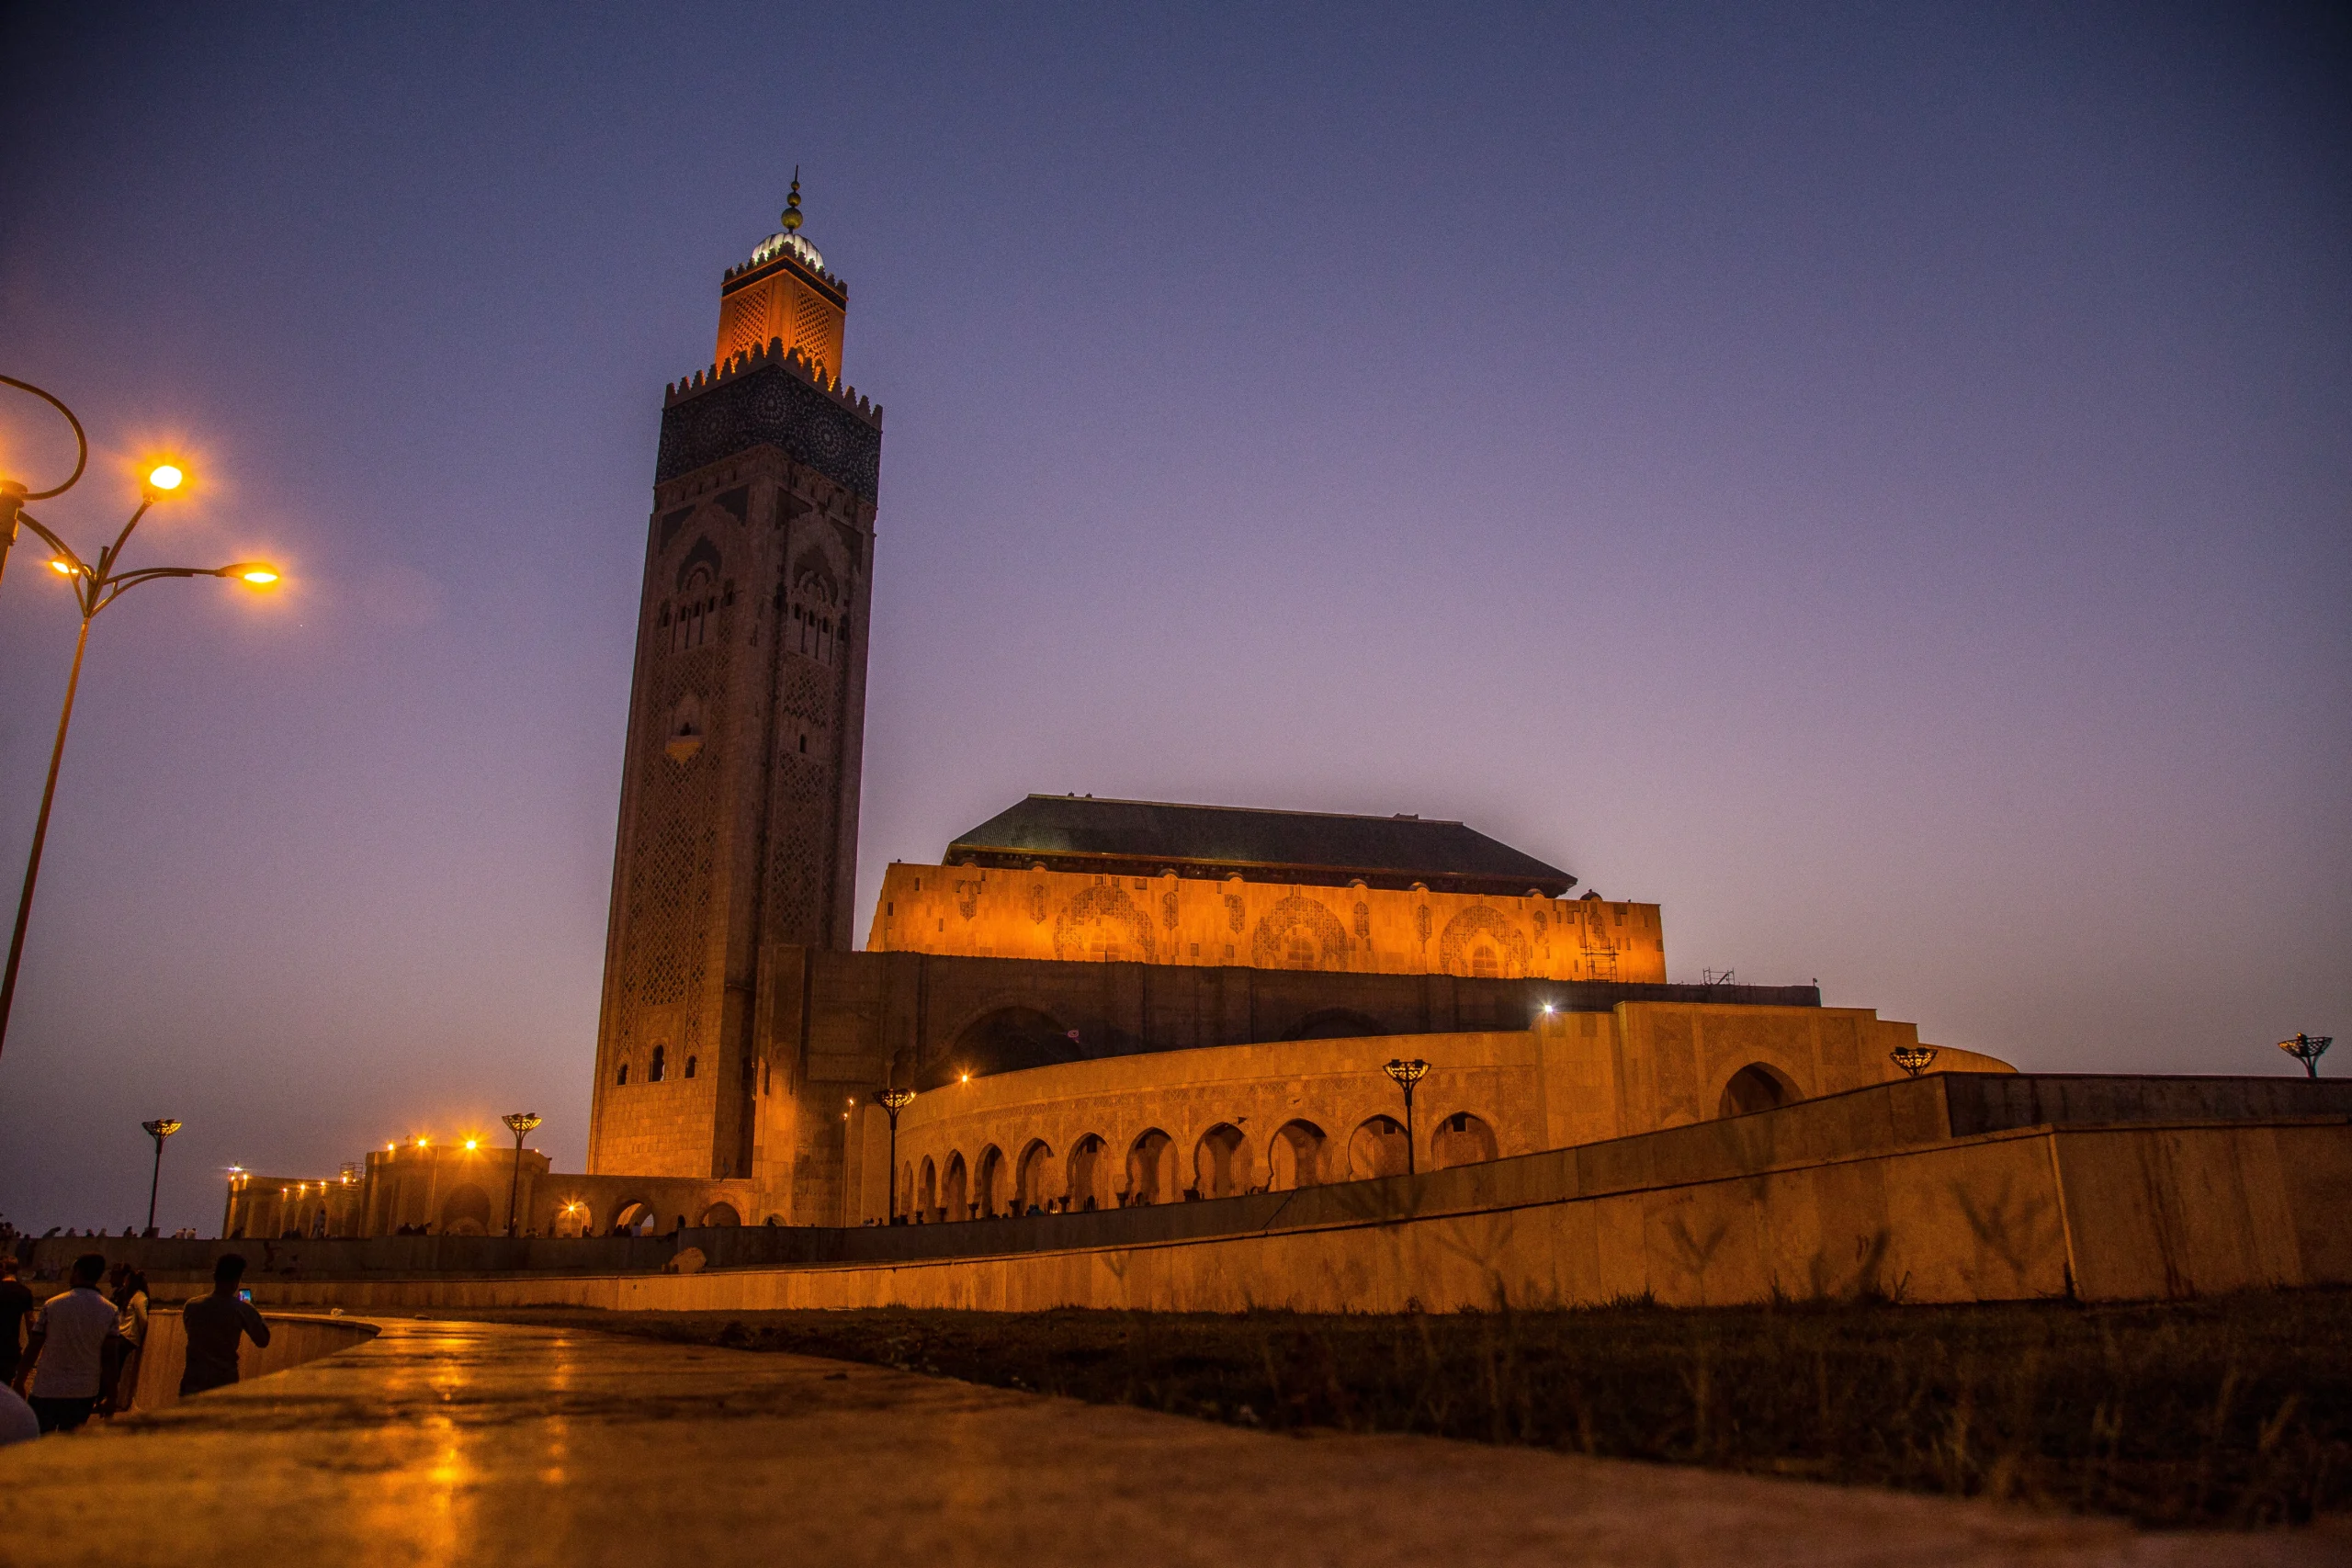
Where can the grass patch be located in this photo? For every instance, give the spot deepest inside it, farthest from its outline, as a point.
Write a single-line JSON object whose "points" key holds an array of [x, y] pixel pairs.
{"points": [[2234, 1411]]}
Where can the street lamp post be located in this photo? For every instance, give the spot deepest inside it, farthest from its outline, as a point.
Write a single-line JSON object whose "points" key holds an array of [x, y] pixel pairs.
{"points": [[95, 586], [1406, 1075], [893, 1101], [159, 1128], [2308, 1049], [1913, 1059], [520, 1123]]}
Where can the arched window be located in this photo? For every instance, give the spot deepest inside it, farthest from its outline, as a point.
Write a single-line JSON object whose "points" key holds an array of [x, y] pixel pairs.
{"points": [[927, 1190], [690, 1066], [660, 1069], [624, 1077], [1462, 1139]]}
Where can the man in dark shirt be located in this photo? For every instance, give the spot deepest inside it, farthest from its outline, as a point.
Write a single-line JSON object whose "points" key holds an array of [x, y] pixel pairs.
{"points": [[15, 1303], [214, 1324]]}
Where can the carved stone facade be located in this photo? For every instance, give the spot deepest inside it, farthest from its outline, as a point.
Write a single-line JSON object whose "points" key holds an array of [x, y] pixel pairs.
{"points": [[975, 911]]}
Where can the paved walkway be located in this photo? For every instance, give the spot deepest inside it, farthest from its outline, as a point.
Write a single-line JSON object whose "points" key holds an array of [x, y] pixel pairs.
{"points": [[448, 1442]]}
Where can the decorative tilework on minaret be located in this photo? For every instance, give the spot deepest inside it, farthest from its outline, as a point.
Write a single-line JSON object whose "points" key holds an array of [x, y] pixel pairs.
{"points": [[740, 784]]}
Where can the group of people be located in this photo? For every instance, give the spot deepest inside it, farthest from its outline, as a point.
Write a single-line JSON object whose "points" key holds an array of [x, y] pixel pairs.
{"points": [[77, 1354]]}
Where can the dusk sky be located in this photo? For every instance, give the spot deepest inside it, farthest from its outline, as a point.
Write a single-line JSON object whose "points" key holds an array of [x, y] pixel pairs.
{"points": [[1876, 481]]}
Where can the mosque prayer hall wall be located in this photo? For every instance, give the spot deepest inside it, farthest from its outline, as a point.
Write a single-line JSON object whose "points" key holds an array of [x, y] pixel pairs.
{"points": [[1075, 917]]}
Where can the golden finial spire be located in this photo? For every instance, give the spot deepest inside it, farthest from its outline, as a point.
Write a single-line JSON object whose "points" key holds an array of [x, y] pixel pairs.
{"points": [[792, 204]]}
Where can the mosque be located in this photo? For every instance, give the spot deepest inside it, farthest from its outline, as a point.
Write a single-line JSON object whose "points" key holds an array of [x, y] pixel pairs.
{"points": [[1085, 1004]]}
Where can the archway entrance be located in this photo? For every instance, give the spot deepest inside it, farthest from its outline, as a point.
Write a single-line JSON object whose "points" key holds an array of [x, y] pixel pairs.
{"points": [[1378, 1148], [1295, 1156], [1221, 1163], [1756, 1087], [1462, 1139], [1004, 1040]]}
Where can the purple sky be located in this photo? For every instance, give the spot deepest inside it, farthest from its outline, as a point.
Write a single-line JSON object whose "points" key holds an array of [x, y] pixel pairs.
{"points": [[1876, 481]]}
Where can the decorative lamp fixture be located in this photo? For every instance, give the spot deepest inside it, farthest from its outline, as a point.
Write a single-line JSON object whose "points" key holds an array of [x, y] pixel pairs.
{"points": [[520, 1123], [1406, 1075], [893, 1101], [1913, 1059], [2308, 1049], [161, 1128]]}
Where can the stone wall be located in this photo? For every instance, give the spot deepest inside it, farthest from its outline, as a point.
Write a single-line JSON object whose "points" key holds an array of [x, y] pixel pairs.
{"points": [[1863, 1193]]}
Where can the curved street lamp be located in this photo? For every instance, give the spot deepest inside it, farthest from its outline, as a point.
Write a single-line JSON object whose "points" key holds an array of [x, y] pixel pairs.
{"points": [[161, 1128], [520, 1123], [1406, 1075], [893, 1101], [96, 585]]}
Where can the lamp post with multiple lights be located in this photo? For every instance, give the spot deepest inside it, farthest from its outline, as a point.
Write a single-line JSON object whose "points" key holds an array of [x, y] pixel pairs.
{"points": [[96, 585], [520, 1123], [2308, 1049], [161, 1128], [893, 1101], [1406, 1075]]}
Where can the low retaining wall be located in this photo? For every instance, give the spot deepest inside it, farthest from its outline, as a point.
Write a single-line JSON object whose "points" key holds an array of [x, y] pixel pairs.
{"points": [[293, 1339], [2102, 1213]]}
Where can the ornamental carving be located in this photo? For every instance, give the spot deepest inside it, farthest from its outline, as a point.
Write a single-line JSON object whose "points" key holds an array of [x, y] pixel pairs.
{"points": [[1103, 924], [1477, 927], [770, 407], [1299, 934]]}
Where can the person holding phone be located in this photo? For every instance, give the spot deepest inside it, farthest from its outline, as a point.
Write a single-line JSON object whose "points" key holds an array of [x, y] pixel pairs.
{"points": [[214, 1324]]}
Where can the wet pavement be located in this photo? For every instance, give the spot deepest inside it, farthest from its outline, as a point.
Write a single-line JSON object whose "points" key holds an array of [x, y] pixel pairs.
{"points": [[473, 1442]]}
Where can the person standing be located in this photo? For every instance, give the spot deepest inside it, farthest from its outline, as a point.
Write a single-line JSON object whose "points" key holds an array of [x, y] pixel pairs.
{"points": [[213, 1325], [15, 1305], [130, 1342], [67, 1352]]}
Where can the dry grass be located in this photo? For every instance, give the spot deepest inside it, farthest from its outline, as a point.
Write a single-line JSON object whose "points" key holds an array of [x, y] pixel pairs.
{"points": [[2234, 1411]]}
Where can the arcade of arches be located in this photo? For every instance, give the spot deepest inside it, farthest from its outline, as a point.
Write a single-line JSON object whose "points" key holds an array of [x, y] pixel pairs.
{"points": [[1180, 1126]]}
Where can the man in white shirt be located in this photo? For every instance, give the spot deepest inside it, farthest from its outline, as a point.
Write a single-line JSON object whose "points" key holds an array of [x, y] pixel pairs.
{"points": [[66, 1352]]}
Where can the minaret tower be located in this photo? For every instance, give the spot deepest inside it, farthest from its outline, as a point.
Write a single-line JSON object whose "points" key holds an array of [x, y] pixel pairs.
{"points": [[747, 712]]}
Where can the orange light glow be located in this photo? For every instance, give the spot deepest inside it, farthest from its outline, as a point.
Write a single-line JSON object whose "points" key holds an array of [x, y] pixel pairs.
{"points": [[165, 476], [61, 568], [473, 1142]]}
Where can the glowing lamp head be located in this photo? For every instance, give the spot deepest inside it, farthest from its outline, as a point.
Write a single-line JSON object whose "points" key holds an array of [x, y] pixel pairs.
{"points": [[473, 1142], [164, 477], [63, 569], [260, 574]]}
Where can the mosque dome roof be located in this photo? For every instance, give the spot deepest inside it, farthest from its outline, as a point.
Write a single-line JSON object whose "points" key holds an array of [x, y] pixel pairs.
{"points": [[778, 244]]}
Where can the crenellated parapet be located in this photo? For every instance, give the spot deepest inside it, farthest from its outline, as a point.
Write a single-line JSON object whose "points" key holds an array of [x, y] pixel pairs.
{"points": [[772, 397], [774, 353]]}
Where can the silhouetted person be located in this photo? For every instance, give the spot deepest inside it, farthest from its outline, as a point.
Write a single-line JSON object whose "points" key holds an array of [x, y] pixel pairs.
{"points": [[67, 1351], [15, 1305], [214, 1324]]}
